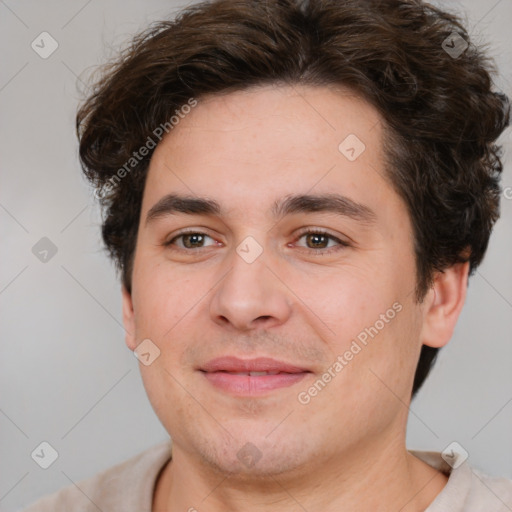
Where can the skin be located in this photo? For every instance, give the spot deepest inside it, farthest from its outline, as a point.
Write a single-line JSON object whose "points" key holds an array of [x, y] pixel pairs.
{"points": [[246, 150]]}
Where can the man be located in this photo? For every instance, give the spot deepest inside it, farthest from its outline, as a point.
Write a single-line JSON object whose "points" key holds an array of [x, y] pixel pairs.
{"points": [[295, 195]]}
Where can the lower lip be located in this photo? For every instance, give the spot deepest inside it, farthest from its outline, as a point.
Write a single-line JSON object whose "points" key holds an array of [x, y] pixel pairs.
{"points": [[250, 385]]}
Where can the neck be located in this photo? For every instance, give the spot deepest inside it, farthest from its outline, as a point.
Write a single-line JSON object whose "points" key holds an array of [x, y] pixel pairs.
{"points": [[378, 476]]}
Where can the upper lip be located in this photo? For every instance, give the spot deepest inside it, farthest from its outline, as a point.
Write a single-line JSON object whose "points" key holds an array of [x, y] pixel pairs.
{"points": [[259, 364]]}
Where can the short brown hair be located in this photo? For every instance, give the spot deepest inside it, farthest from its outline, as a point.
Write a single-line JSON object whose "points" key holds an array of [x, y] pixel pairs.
{"points": [[442, 117]]}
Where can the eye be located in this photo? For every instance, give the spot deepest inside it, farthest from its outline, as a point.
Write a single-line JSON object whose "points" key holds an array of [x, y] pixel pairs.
{"points": [[190, 240], [317, 239]]}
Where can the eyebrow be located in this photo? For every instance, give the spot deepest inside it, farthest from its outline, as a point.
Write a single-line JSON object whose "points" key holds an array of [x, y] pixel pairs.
{"points": [[172, 204]]}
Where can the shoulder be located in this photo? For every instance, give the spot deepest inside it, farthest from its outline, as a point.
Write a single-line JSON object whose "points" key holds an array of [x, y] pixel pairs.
{"points": [[468, 489], [124, 486], [489, 493]]}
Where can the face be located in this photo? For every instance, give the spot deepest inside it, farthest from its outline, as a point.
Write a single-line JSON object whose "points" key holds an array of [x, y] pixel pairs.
{"points": [[323, 285]]}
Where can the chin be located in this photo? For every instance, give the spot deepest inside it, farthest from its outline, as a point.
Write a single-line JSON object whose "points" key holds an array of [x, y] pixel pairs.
{"points": [[255, 457]]}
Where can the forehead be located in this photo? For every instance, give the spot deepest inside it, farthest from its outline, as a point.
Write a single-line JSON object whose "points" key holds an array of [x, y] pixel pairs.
{"points": [[307, 119], [267, 141]]}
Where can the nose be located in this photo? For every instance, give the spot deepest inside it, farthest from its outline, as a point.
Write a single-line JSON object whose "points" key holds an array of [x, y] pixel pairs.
{"points": [[250, 296]]}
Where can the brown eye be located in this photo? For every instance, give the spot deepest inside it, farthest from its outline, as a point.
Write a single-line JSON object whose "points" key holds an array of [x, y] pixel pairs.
{"points": [[189, 240], [318, 242], [192, 240]]}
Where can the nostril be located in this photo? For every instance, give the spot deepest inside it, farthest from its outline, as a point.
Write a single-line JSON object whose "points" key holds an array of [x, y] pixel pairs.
{"points": [[263, 317]]}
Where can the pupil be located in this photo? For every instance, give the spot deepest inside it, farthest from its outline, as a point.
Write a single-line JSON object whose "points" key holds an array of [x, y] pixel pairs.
{"points": [[316, 238], [191, 237], [196, 238]]}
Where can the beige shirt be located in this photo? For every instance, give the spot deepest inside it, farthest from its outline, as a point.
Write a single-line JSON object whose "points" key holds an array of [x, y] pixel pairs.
{"points": [[128, 487]]}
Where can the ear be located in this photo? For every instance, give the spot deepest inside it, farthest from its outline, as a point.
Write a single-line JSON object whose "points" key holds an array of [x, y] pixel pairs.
{"points": [[128, 319], [443, 304]]}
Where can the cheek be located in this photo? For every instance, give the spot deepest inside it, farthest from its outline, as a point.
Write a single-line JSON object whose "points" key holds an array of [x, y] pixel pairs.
{"points": [[367, 317], [163, 297], [390, 355], [164, 393], [341, 301]]}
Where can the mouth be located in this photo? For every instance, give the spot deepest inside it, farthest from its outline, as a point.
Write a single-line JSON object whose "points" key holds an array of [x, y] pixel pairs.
{"points": [[251, 377]]}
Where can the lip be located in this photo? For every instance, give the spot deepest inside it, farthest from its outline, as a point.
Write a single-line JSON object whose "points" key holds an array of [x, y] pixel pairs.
{"points": [[259, 364], [216, 372]]}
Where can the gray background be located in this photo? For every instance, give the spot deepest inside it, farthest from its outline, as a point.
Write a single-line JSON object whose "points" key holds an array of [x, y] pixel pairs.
{"points": [[66, 376]]}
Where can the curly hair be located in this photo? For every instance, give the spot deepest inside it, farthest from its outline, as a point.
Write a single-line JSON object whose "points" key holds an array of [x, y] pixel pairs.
{"points": [[442, 117]]}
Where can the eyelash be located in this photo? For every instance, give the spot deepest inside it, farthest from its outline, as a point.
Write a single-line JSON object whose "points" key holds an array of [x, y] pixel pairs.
{"points": [[315, 252]]}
